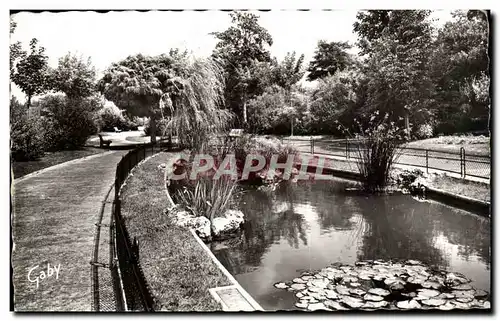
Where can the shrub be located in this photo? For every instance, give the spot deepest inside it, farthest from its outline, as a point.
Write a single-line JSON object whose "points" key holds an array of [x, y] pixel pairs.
{"points": [[111, 116], [25, 133], [425, 131], [69, 122], [161, 127]]}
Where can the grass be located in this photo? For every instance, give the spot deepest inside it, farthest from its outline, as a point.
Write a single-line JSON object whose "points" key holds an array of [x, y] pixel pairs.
{"points": [[176, 267], [475, 190], [471, 144], [50, 159]]}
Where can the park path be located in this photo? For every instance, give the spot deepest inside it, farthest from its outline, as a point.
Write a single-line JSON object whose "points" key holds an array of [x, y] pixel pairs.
{"points": [[53, 223]]}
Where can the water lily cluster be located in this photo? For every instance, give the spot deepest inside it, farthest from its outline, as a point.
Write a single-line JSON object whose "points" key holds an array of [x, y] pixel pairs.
{"points": [[372, 285]]}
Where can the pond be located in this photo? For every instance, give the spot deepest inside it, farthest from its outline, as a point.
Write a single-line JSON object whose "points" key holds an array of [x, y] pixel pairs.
{"points": [[308, 225]]}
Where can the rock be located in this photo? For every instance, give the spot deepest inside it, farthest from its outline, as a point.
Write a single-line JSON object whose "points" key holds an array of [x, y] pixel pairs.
{"points": [[280, 285], [357, 291], [375, 305], [301, 305], [379, 292], [434, 302], [352, 302], [229, 223], [298, 286], [427, 294], [334, 305], [408, 304], [330, 294], [372, 297], [316, 306], [480, 293], [201, 225], [462, 287]]}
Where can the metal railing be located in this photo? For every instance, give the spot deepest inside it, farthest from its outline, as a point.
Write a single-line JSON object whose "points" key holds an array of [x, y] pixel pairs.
{"points": [[134, 287], [459, 162]]}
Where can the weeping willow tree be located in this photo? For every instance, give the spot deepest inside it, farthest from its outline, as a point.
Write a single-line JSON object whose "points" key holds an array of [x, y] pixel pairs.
{"points": [[194, 104]]}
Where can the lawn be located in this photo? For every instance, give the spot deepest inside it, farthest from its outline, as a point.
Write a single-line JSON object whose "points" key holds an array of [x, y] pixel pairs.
{"points": [[471, 144], [176, 267], [475, 190], [50, 159]]}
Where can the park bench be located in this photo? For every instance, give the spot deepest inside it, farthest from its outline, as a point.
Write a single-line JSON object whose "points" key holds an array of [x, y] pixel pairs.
{"points": [[117, 130], [104, 142]]}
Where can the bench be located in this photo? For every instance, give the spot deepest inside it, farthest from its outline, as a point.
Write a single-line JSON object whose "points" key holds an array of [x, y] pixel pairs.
{"points": [[117, 130], [104, 142]]}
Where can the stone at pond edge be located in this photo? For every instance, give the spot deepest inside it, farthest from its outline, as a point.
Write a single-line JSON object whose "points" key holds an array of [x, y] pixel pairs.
{"points": [[408, 304], [229, 223]]}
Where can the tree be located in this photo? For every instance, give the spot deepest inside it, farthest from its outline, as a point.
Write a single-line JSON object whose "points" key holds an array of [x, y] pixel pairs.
{"points": [[329, 58], [16, 50], [73, 76], [31, 71], [289, 71], [369, 26], [460, 70], [238, 49], [137, 83]]}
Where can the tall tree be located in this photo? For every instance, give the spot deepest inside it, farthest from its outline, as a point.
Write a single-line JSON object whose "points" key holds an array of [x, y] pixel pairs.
{"points": [[329, 58], [288, 72], [31, 71], [16, 50], [74, 76], [239, 47], [369, 26]]}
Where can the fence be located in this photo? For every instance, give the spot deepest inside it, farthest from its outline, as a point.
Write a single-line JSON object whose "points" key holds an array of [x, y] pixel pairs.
{"points": [[125, 288], [460, 162]]}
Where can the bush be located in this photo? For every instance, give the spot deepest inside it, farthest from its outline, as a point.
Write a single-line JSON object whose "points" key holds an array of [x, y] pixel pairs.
{"points": [[25, 133], [69, 122], [161, 127], [111, 117]]}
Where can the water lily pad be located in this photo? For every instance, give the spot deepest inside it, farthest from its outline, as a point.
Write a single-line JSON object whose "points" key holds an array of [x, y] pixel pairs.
{"points": [[350, 279], [331, 294], [487, 305], [364, 276], [320, 283], [306, 277], [361, 263], [426, 293], [460, 305], [464, 299], [314, 289], [431, 285], [298, 280], [302, 304], [341, 289], [357, 291], [355, 284], [379, 262], [316, 306], [334, 305], [445, 296], [379, 292], [413, 262], [299, 295], [298, 286], [408, 304], [462, 287], [372, 297], [375, 305], [434, 302], [352, 302], [416, 280], [456, 279], [280, 285], [447, 306], [463, 294], [480, 293]]}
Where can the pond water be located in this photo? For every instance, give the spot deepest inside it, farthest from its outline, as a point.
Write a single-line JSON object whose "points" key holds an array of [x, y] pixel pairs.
{"points": [[308, 225]]}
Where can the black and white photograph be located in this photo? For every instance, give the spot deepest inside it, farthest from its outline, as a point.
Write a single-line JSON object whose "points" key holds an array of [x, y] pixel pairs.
{"points": [[294, 160]]}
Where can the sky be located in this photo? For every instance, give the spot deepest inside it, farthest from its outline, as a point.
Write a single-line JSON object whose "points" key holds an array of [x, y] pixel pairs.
{"points": [[110, 37]]}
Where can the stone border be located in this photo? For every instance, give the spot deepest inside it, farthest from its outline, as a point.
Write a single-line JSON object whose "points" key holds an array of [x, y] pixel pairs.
{"points": [[244, 294], [43, 170]]}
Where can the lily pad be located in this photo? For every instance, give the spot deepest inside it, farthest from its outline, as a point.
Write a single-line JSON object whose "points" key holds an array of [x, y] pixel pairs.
{"points": [[316, 306], [462, 287], [280, 285], [364, 276], [426, 293], [480, 293], [408, 304], [434, 302], [460, 305], [314, 289], [463, 294], [334, 305], [487, 305], [298, 286], [299, 295], [306, 277], [375, 305], [379, 292], [445, 296], [447, 306], [320, 283], [413, 262], [431, 285], [372, 297], [331, 294], [301, 304], [352, 302], [350, 279], [464, 299], [299, 280], [343, 290], [357, 291]]}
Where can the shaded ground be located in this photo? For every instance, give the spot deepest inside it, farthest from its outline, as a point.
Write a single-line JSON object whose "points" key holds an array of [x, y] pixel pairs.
{"points": [[50, 159], [175, 266], [53, 223]]}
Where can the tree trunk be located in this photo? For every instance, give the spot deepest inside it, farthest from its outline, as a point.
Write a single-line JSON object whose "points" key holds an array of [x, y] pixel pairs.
{"points": [[152, 127], [245, 113], [28, 102]]}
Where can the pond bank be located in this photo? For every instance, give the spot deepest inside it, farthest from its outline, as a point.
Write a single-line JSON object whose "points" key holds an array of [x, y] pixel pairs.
{"points": [[176, 267]]}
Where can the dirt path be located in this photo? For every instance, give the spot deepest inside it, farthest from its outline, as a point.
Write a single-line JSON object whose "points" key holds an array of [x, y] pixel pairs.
{"points": [[53, 219]]}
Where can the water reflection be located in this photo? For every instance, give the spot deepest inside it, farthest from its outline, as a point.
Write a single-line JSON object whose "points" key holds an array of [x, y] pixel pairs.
{"points": [[309, 225]]}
